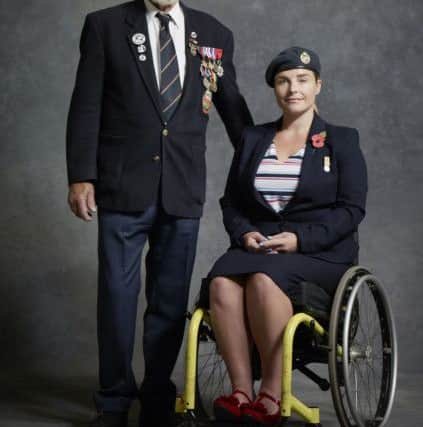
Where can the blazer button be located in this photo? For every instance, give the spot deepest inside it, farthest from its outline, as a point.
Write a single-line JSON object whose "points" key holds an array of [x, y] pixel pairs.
{"points": [[156, 158], [165, 132]]}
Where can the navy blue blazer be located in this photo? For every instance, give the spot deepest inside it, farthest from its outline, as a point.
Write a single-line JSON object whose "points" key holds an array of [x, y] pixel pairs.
{"points": [[117, 136], [327, 206]]}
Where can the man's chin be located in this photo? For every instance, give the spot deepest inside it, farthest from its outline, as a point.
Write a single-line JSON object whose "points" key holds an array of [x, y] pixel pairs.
{"points": [[164, 3]]}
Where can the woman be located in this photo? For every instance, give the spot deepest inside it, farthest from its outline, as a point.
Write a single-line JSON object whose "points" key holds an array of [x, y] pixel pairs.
{"points": [[294, 198]]}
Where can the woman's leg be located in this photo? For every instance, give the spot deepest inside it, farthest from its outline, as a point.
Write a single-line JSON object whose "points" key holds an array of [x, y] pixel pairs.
{"points": [[227, 309], [269, 311]]}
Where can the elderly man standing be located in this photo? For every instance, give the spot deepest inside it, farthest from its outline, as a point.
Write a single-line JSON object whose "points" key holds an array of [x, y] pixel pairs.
{"points": [[148, 74]]}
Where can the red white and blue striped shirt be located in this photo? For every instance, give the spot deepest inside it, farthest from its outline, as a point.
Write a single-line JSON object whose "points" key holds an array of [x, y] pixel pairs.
{"points": [[277, 181]]}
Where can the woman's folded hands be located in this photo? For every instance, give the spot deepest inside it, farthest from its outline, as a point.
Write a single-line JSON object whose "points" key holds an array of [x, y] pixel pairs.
{"points": [[282, 242]]}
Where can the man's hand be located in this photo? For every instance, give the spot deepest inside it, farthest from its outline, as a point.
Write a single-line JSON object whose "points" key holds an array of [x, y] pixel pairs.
{"points": [[253, 240], [81, 200], [282, 242]]}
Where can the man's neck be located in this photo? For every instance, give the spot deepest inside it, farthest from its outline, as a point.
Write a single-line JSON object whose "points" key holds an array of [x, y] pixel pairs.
{"points": [[164, 9]]}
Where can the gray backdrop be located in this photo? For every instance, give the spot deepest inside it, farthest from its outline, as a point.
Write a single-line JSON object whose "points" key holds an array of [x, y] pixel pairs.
{"points": [[372, 57]]}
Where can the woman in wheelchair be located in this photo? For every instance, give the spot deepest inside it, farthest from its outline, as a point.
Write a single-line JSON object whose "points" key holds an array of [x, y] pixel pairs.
{"points": [[294, 198]]}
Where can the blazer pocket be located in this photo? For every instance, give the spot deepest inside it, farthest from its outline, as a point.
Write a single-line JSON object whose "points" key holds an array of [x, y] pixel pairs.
{"points": [[110, 161], [198, 173]]}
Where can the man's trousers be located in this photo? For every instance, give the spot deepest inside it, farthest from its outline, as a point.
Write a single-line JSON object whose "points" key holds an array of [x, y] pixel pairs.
{"points": [[169, 263]]}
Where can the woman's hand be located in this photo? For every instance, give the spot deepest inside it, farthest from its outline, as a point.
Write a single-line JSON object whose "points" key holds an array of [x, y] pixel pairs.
{"points": [[253, 241], [282, 242]]}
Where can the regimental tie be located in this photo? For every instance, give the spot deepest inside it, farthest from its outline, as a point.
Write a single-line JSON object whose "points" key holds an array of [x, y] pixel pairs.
{"points": [[170, 85]]}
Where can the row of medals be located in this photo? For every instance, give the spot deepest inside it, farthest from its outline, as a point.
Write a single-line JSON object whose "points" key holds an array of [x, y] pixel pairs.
{"points": [[210, 69]]}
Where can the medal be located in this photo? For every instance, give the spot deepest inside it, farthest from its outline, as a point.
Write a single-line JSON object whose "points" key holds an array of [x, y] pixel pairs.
{"points": [[213, 83], [220, 71], [207, 101], [204, 70], [326, 164], [206, 83]]}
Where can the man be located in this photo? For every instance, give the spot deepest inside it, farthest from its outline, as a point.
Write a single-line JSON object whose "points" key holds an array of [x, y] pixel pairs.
{"points": [[148, 74]]}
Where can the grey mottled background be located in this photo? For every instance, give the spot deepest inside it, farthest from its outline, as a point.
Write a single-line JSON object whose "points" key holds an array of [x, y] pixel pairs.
{"points": [[371, 53]]}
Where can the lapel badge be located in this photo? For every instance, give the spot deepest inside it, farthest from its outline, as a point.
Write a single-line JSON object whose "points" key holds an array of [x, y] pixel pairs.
{"points": [[193, 43], [138, 39], [141, 48], [193, 48], [318, 140], [305, 57], [326, 164], [142, 58]]}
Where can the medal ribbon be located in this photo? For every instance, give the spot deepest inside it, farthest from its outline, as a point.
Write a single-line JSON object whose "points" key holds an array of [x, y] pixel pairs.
{"points": [[211, 53]]}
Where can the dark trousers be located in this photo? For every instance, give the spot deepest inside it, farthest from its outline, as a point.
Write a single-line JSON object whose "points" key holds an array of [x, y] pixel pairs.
{"points": [[169, 263]]}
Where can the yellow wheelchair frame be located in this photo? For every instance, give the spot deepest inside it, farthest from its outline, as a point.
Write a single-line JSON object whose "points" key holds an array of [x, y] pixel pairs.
{"points": [[289, 402], [355, 280]]}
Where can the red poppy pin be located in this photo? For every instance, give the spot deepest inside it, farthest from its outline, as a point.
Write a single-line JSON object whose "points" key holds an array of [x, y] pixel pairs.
{"points": [[318, 140]]}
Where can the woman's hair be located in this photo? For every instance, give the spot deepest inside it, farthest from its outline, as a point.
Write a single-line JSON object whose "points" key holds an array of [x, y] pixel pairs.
{"points": [[317, 76]]}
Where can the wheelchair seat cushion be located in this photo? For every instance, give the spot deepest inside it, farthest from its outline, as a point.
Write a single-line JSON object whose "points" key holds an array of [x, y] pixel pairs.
{"points": [[310, 298]]}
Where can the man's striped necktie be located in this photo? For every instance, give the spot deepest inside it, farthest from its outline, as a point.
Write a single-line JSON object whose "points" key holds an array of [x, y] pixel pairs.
{"points": [[170, 85]]}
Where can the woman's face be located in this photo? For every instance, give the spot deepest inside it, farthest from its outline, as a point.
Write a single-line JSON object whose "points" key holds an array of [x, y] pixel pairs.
{"points": [[296, 90]]}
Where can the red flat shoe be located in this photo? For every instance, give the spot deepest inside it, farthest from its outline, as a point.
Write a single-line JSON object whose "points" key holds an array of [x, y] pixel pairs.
{"points": [[256, 413], [227, 408]]}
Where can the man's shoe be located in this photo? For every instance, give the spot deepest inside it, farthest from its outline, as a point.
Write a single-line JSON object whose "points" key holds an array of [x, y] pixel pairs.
{"points": [[173, 420], [110, 419]]}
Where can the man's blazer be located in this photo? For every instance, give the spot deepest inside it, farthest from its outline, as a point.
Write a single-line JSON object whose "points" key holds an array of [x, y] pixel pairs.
{"points": [[327, 206], [116, 134]]}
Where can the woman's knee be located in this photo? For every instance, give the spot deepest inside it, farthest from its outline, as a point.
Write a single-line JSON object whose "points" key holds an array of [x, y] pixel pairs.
{"points": [[260, 286], [224, 292]]}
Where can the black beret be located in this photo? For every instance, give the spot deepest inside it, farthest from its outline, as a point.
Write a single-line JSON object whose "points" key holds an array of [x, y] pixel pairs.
{"points": [[293, 57]]}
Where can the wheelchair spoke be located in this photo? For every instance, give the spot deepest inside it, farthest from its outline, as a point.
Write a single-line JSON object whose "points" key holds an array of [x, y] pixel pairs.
{"points": [[212, 377]]}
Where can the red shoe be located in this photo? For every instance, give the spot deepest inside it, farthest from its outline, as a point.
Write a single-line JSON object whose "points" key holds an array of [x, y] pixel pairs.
{"points": [[227, 408], [256, 413]]}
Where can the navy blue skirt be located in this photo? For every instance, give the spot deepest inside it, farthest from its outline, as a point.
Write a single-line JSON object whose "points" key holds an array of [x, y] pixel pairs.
{"points": [[285, 269]]}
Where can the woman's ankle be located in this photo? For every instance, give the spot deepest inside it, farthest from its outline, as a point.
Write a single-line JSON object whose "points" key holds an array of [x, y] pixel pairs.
{"points": [[269, 398], [243, 394]]}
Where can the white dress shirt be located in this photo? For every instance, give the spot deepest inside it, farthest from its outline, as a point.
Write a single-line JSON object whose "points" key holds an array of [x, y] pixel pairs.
{"points": [[177, 31]]}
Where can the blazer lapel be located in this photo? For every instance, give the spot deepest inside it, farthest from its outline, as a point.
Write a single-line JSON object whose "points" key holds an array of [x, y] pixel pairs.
{"points": [[311, 160], [136, 19], [192, 69], [258, 152]]}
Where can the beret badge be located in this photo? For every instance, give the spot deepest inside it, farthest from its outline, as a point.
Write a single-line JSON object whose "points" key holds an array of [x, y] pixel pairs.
{"points": [[305, 57]]}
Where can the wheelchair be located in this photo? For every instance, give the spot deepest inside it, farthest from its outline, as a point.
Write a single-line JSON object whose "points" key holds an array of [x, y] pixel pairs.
{"points": [[353, 333]]}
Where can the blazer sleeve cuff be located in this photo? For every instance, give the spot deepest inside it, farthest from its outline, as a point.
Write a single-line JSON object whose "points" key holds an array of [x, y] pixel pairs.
{"points": [[240, 231]]}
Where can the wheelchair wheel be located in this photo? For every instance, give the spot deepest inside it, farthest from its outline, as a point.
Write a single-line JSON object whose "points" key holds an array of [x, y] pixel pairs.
{"points": [[363, 356], [212, 379]]}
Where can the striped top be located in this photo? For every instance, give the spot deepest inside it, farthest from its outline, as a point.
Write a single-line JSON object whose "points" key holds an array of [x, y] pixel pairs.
{"points": [[277, 181]]}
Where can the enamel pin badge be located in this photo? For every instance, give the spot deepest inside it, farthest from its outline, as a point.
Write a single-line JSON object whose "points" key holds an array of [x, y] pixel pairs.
{"points": [[139, 40]]}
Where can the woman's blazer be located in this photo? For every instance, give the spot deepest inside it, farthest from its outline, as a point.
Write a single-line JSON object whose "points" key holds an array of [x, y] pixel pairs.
{"points": [[327, 206]]}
